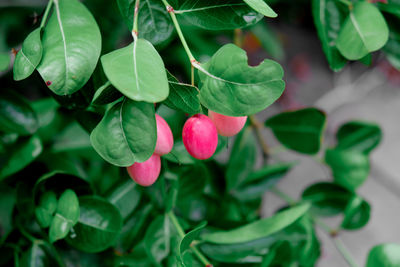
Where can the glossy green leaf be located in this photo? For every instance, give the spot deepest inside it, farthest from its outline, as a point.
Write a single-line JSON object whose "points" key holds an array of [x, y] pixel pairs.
{"points": [[125, 197], [154, 22], [306, 125], [385, 255], [67, 215], [231, 87], [5, 60], [98, 226], [258, 229], [21, 155], [212, 15], [126, 134], [350, 168], [259, 181], [106, 94], [328, 17], [16, 114], [357, 214], [137, 71], [182, 97], [327, 199], [261, 7], [46, 208], [242, 159], [358, 136], [187, 240], [35, 256], [364, 31], [29, 56], [71, 47]]}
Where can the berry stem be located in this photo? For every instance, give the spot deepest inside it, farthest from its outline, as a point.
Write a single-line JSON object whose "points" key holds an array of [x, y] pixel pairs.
{"points": [[181, 233], [46, 13], [171, 12]]}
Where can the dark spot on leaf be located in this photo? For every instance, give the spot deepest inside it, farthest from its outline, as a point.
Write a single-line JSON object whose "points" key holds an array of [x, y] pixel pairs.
{"points": [[48, 83]]}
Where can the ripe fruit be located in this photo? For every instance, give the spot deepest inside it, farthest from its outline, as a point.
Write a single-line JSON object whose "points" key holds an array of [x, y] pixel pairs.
{"points": [[227, 125], [200, 136], [146, 173], [165, 140]]}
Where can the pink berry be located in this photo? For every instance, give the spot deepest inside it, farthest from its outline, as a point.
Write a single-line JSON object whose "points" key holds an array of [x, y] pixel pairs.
{"points": [[227, 125], [200, 136], [165, 140], [146, 173]]}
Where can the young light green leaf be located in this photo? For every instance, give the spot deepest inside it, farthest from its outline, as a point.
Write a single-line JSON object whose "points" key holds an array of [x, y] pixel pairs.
{"points": [[126, 134], [364, 31], [22, 154], [358, 136], [328, 17], [46, 208], [137, 71], [29, 56], [98, 226], [71, 47], [16, 114], [387, 255], [216, 15], [357, 214], [67, 215], [258, 229], [350, 168], [182, 97], [232, 88], [154, 22], [261, 7], [300, 130]]}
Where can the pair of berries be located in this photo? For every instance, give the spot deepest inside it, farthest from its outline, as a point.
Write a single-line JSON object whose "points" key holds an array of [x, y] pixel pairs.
{"points": [[199, 135]]}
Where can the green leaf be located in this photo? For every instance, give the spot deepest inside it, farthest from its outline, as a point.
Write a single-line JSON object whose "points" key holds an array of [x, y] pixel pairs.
{"points": [[137, 71], [125, 197], [67, 215], [21, 155], [187, 240], [364, 31], [16, 114], [216, 15], [5, 60], [261, 7], [258, 229], [35, 256], [46, 208], [179, 154], [29, 56], [182, 97], [232, 88], [7, 204], [350, 168], [357, 214], [385, 255], [126, 134], [327, 199], [98, 226], [71, 47], [390, 6], [392, 47], [358, 136], [106, 94], [328, 18], [242, 159], [306, 125], [154, 22], [259, 181]]}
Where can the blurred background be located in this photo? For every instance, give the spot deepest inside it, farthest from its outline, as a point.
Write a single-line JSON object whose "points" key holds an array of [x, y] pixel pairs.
{"points": [[358, 92]]}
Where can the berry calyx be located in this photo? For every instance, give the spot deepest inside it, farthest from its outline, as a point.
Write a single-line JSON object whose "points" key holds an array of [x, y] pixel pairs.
{"points": [[146, 173], [227, 125], [165, 139], [200, 136]]}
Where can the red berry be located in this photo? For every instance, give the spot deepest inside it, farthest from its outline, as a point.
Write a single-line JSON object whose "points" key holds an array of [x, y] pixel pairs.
{"points": [[165, 140], [227, 125], [146, 173], [200, 136]]}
